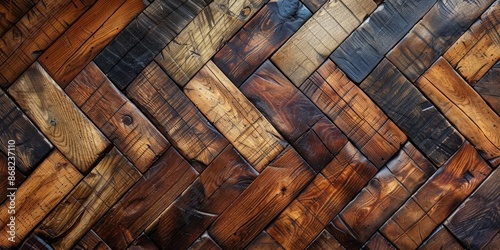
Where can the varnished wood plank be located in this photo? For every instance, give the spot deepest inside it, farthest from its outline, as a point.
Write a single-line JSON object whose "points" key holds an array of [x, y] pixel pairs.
{"points": [[325, 241], [235, 116], [142, 243], [11, 12], [205, 242], [436, 199], [489, 88], [88, 201], [412, 112], [191, 49], [445, 22], [354, 113], [58, 117], [458, 101], [266, 197], [38, 195], [152, 194], [117, 117], [176, 116], [259, 38], [91, 241], [294, 116], [441, 239], [307, 49], [379, 242], [264, 241]]}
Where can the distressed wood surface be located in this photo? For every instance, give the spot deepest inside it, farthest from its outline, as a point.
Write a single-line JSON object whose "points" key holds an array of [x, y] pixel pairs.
{"points": [[325, 241], [441, 238], [264, 241], [12, 11], [489, 88]]}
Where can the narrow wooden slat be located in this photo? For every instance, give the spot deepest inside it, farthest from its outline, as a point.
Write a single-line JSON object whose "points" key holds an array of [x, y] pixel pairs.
{"points": [[354, 113], [319, 36], [412, 112], [237, 119], [443, 239], [266, 197], [458, 101], [205, 242], [259, 38], [143, 242], [436, 199], [30, 145], [88, 201], [489, 88], [360, 53], [204, 36], [91, 241], [38, 195], [325, 241], [58, 117], [12, 11], [117, 117], [177, 118], [295, 116], [434, 34], [158, 187], [264, 241]]}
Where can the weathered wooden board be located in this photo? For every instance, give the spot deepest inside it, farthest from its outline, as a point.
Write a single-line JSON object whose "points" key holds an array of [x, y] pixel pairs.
{"points": [[325, 241], [277, 185], [165, 180], [205, 242], [235, 116], [264, 241], [314, 5], [441, 239], [463, 107], [354, 113], [436, 199], [445, 22], [58, 117], [34, 243], [379, 242], [92, 241], [11, 12], [412, 112], [143, 242], [88, 201], [37, 196], [319, 36], [494, 243], [176, 117], [67, 56], [489, 88], [204, 36], [315, 137], [116, 116], [260, 38]]}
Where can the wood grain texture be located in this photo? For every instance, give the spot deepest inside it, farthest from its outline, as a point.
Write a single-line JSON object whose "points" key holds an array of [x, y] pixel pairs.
{"points": [[360, 53], [463, 107], [314, 5], [354, 113], [489, 88], [34, 243], [115, 115], [412, 112], [235, 116], [378, 241], [165, 180], [88, 201], [38, 195], [11, 12], [307, 49], [143, 242], [92, 241], [204, 36], [494, 243], [315, 137], [325, 241], [176, 116], [259, 38], [434, 34], [441, 238], [277, 185], [205, 242], [264, 241], [436, 199]]}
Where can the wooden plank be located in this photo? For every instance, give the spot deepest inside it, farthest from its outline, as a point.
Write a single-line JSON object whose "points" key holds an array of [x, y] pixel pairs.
{"points": [[31, 146], [67, 56], [494, 243], [204, 36], [360, 53], [436, 199], [354, 113], [199, 205], [205, 242], [264, 241], [434, 34], [164, 181], [12, 12], [143, 242], [489, 88], [325, 241], [236, 117], [37, 196], [260, 38], [88, 201], [313, 5], [35, 243], [92, 241], [476, 221], [116, 116], [265, 198], [441, 239], [176, 117], [5, 181], [412, 112], [282, 104], [464, 107], [307, 49], [58, 118], [378, 241]]}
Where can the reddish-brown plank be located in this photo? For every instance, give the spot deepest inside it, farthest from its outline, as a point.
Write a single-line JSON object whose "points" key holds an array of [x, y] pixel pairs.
{"points": [[12, 11], [205, 242], [378, 242], [325, 241], [143, 242], [264, 241], [91, 241]]}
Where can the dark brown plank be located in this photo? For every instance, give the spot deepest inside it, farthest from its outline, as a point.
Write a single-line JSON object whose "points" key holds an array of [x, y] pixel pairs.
{"points": [[6, 181], [378, 242], [360, 53], [163, 182], [259, 38], [205, 242], [325, 241], [35, 243], [494, 243], [12, 11], [412, 112], [176, 117], [265, 198], [264, 241], [143, 243], [489, 88], [91, 241], [441, 239], [434, 34]]}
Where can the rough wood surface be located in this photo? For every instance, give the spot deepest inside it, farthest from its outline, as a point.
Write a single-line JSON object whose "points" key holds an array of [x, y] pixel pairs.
{"points": [[264, 241], [11, 12], [441, 238], [325, 241], [92, 241], [489, 88]]}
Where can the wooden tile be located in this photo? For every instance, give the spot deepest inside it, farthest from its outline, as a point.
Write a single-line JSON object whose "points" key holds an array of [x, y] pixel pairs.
{"points": [[92, 241], [143, 242], [325, 241], [34, 243], [12, 12], [205, 243], [441, 238], [494, 243], [378, 241], [489, 88], [264, 241]]}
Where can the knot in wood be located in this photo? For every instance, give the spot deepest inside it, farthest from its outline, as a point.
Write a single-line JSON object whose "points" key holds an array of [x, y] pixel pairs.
{"points": [[127, 120]]}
